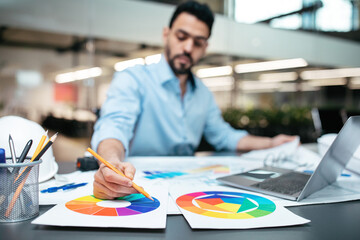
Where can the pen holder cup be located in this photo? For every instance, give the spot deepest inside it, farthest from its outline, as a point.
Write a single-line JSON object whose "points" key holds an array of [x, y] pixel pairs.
{"points": [[19, 190]]}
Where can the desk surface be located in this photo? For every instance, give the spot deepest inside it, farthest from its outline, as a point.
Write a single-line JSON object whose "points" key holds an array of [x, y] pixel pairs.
{"points": [[328, 221]]}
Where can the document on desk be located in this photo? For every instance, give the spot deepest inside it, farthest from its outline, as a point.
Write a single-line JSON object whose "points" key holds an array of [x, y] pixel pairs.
{"points": [[228, 208], [198, 171], [132, 211], [285, 149], [61, 196], [160, 169]]}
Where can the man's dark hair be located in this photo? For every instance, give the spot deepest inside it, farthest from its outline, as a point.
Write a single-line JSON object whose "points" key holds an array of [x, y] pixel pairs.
{"points": [[200, 11]]}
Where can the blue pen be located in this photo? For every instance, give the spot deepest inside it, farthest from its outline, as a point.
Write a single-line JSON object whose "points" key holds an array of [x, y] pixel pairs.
{"points": [[73, 186], [63, 187], [54, 189]]}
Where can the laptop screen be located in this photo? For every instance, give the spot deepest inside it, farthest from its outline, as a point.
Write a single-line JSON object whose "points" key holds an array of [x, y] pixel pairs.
{"points": [[336, 158]]}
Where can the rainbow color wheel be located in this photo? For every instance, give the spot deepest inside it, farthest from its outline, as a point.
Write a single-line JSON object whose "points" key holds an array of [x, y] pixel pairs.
{"points": [[124, 206], [230, 205]]}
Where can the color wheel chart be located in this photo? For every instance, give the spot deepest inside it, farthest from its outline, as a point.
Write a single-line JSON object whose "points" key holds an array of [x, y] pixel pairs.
{"points": [[124, 206], [229, 205]]}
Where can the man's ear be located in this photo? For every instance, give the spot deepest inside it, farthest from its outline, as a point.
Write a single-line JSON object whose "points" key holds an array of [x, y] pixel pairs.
{"points": [[166, 31]]}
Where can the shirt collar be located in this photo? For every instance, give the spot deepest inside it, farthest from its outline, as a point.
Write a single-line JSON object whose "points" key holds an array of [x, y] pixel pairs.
{"points": [[166, 74]]}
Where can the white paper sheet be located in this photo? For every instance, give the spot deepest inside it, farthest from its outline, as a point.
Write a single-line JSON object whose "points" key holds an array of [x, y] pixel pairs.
{"points": [[284, 149], [231, 209], [189, 165], [345, 189], [67, 195], [137, 213]]}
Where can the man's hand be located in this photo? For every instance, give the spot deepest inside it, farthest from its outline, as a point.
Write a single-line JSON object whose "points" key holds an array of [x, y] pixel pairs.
{"points": [[281, 139], [251, 142], [110, 185], [107, 183]]}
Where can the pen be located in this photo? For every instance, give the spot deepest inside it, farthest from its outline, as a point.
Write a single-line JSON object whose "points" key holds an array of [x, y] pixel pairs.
{"points": [[74, 186], [12, 149], [139, 189], [63, 187], [25, 151]]}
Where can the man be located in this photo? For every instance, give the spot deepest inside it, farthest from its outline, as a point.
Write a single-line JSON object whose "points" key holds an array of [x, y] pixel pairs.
{"points": [[163, 109]]}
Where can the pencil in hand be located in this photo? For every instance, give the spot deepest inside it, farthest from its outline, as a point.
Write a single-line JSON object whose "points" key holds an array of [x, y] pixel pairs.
{"points": [[139, 189]]}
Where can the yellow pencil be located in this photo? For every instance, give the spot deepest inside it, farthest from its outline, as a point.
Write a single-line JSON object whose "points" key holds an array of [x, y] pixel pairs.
{"points": [[21, 185], [37, 150], [40, 145], [139, 189]]}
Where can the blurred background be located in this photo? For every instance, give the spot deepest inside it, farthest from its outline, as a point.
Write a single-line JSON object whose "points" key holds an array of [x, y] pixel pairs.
{"points": [[274, 66]]}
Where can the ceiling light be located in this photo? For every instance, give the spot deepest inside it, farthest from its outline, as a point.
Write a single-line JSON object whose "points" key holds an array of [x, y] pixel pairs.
{"points": [[288, 87], [330, 73], [78, 75], [305, 87], [120, 66], [355, 83], [255, 85], [270, 65], [218, 81], [327, 82], [29, 78], [278, 77], [214, 72]]}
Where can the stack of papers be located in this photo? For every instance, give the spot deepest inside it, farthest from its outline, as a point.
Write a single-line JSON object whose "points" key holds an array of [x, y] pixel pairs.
{"points": [[188, 186]]}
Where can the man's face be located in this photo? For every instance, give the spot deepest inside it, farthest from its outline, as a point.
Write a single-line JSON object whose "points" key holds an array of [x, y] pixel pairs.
{"points": [[185, 42]]}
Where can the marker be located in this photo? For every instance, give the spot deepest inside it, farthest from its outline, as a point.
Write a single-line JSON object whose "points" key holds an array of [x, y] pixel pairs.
{"points": [[2, 156], [25, 151]]}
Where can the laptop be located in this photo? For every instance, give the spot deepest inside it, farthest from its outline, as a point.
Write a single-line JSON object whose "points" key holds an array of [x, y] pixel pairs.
{"points": [[293, 185]]}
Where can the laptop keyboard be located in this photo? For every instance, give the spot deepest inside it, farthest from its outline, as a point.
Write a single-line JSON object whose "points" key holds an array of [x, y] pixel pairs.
{"points": [[288, 183]]}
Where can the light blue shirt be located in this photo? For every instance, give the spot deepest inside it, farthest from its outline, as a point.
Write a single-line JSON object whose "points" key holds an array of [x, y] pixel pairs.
{"points": [[145, 111]]}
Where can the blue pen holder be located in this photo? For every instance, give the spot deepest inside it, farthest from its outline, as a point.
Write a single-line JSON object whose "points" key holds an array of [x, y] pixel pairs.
{"points": [[19, 190]]}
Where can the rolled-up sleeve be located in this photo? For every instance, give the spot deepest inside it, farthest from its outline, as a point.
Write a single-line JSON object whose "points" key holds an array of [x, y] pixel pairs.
{"points": [[218, 132], [119, 112]]}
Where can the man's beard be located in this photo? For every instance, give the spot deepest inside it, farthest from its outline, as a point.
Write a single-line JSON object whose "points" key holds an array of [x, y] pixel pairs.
{"points": [[182, 69]]}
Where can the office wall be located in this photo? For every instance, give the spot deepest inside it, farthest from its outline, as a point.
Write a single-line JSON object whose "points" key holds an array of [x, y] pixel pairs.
{"points": [[142, 22]]}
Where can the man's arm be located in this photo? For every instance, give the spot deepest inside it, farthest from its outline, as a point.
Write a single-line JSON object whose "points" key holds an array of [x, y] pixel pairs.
{"points": [[251, 142], [107, 183]]}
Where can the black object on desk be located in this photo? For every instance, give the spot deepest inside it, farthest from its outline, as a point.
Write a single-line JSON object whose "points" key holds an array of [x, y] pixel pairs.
{"points": [[87, 164]]}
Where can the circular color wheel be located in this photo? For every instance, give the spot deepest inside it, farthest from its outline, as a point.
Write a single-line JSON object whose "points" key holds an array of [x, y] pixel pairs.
{"points": [[230, 205], [136, 204]]}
